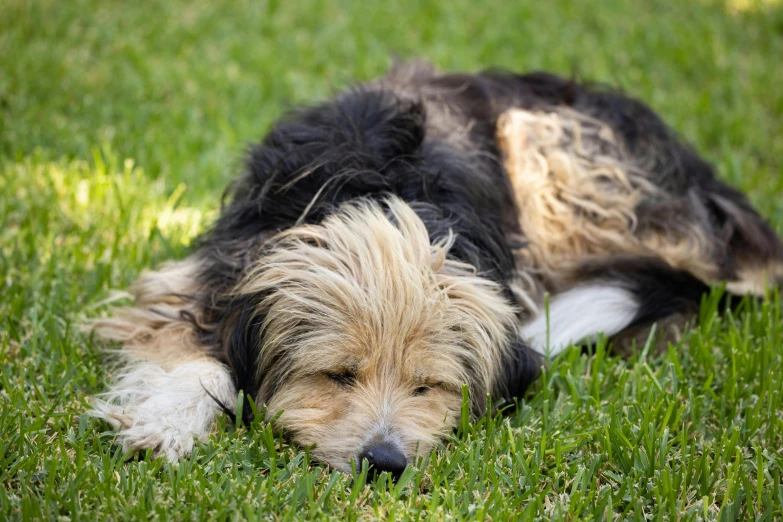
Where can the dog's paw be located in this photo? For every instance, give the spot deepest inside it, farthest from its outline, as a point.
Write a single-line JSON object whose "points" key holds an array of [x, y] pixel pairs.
{"points": [[166, 411], [167, 437]]}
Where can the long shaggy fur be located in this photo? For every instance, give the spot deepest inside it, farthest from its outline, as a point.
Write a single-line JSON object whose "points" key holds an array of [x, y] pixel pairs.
{"points": [[386, 248], [367, 293]]}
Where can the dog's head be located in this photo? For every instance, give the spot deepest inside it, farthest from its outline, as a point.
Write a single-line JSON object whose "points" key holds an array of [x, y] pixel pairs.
{"points": [[363, 333]]}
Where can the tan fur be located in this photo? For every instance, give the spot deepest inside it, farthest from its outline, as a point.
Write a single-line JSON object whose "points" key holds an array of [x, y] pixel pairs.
{"points": [[152, 328], [756, 280], [577, 193], [373, 296], [574, 198]]}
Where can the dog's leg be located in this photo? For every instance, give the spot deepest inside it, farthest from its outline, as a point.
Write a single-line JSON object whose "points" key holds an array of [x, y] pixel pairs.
{"points": [[168, 389], [166, 409], [610, 296], [580, 193]]}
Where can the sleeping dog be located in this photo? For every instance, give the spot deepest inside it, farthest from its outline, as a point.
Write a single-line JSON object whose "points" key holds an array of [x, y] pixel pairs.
{"points": [[417, 234]]}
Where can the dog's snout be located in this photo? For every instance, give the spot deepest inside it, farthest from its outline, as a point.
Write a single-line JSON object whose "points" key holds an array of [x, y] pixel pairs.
{"points": [[384, 457]]}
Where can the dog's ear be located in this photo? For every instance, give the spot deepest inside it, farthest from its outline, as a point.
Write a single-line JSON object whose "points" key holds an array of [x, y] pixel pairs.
{"points": [[521, 369], [240, 333]]}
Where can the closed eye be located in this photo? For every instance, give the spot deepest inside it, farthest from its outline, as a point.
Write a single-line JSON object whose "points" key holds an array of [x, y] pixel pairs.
{"points": [[343, 378], [421, 390]]}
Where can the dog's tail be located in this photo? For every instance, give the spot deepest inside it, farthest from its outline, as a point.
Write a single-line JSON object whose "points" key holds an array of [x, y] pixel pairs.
{"points": [[611, 296]]}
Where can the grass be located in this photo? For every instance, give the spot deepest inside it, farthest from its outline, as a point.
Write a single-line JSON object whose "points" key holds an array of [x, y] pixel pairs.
{"points": [[121, 122]]}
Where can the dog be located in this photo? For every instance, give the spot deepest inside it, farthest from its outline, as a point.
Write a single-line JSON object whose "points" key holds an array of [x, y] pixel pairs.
{"points": [[418, 234]]}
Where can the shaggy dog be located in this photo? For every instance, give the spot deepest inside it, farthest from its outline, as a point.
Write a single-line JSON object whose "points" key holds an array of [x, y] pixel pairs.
{"points": [[386, 248]]}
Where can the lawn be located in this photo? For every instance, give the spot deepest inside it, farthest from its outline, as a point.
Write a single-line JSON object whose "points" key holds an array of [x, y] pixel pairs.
{"points": [[120, 124]]}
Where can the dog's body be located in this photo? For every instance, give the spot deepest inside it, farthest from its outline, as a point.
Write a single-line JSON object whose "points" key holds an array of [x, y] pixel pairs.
{"points": [[386, 248]]}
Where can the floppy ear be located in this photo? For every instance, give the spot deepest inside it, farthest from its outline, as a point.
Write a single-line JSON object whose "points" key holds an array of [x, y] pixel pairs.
{"points": [[240, 333], [521, 369]]}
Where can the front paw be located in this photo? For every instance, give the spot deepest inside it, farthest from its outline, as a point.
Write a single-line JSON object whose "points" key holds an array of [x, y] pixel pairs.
{"points": [[138, 431]]}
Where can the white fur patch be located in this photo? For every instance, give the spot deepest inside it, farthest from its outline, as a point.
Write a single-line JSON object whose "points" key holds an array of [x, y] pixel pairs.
{"points": [[580, 313], [166, 409]]}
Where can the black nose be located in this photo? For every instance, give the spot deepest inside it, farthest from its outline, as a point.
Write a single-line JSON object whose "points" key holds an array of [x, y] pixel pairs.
{"points": [[384, 457]]}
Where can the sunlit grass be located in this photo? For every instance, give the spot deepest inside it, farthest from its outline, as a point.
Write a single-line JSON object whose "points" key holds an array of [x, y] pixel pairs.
{"points": [[751, 5], [101, 209], [120, 125]]}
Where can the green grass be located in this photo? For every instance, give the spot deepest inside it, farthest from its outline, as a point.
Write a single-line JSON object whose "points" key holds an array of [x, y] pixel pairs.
{"points": [[121, 122]]}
